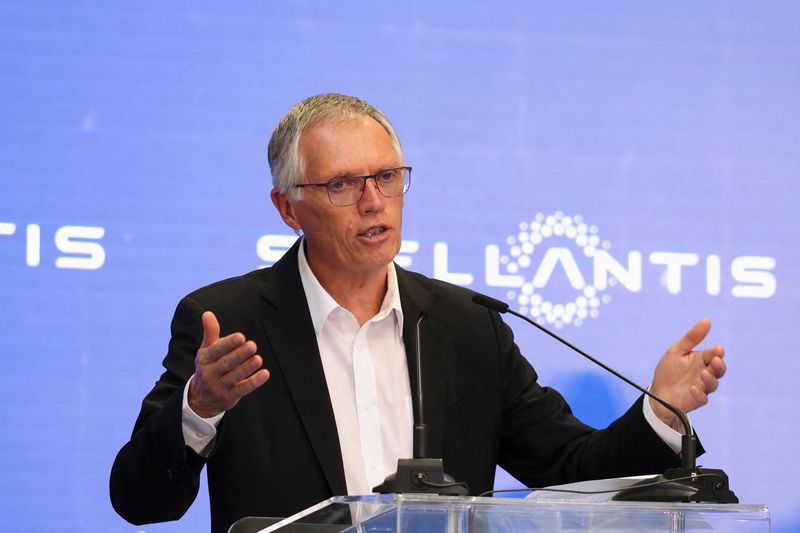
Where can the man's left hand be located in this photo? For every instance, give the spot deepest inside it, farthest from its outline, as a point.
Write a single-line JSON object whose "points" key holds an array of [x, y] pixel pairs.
{"points": [[685, 377]]}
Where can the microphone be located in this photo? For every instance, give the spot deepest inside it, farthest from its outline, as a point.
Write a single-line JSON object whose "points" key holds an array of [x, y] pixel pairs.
{"points": [[421, 474], [698, 484]]}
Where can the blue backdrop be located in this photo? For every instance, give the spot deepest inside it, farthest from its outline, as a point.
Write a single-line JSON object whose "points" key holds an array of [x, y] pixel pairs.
{"points": [[617, 170]]}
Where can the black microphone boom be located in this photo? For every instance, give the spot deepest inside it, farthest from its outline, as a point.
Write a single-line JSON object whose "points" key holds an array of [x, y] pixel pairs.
{"points": [[700, 484]]}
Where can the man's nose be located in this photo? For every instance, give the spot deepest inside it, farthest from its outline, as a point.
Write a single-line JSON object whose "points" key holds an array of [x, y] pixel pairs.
{"points": [[371, 199]]}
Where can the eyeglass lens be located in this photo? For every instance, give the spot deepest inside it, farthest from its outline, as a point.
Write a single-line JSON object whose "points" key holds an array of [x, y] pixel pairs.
{"points": [[347, 191]]}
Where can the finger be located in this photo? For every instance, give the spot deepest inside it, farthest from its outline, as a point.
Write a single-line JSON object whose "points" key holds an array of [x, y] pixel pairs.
{"points": [[243, 370], [698, 396], [718, 367], [710, 354], [709, 381], [210, 329], [234, 357], [694, 336], [245, 387], [221, 348]]}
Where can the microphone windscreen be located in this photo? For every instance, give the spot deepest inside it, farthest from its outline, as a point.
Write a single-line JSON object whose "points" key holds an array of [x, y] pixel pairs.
{"points": [[491, 303]]}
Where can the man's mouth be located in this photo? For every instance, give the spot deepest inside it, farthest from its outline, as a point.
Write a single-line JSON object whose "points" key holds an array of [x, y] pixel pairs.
{"points": [[371, 232]]}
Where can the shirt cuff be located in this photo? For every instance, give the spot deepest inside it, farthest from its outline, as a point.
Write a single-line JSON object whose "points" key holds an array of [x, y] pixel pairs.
{"points": [[670, 437], [198, 432]]}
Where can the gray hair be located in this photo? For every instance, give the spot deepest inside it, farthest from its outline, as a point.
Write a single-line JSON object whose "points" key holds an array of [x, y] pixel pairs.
{"points": [[285, 160]]}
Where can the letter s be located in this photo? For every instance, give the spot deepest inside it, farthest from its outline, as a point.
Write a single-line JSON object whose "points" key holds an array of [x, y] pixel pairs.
{"points": [[754, 271], [73, 240]]}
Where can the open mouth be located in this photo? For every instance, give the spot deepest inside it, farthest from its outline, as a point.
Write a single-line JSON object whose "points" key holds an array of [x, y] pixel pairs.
{"points": [[371, 232]]}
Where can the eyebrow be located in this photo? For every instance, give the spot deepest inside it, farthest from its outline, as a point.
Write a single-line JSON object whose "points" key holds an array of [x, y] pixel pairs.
{"points": [[345, 174]]}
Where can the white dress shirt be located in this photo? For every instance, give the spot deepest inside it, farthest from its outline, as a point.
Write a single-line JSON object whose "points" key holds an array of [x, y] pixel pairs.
{"points": [[367, 376]]}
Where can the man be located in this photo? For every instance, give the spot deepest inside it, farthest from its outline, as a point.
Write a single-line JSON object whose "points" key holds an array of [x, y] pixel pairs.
{"points": [[292, 383]]}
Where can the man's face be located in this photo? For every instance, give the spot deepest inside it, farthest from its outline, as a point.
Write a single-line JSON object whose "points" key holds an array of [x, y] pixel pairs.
{"points": [[359, 239]]}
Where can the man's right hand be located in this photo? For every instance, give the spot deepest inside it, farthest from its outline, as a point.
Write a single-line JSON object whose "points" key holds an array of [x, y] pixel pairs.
{"points": [[226, 370]]}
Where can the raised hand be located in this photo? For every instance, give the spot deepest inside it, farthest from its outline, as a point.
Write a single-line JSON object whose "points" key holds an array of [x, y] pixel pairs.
{"points": [[685, 376], [226, 369]]}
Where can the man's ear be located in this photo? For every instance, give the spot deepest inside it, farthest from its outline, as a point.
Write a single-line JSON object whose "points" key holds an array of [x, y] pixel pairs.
{"points": [[285, 207]]}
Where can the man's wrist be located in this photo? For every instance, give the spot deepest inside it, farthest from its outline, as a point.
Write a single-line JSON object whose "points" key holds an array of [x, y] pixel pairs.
{"points": [[198, 431], [665, 415], [666, 432], [191, 401]]}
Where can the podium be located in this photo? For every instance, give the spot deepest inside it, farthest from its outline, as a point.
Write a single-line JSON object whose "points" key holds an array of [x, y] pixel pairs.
{"points": [[423, 513]]}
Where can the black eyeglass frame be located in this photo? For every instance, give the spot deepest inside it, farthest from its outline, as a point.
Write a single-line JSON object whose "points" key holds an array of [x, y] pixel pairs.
{"points": [[327, 184]]}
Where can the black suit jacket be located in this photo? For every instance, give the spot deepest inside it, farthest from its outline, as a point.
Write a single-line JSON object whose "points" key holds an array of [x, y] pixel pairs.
{"points": [[277, 451]]}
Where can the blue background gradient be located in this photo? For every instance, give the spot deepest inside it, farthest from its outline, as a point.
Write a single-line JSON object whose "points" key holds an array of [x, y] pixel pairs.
{"points": [[669, 127]]}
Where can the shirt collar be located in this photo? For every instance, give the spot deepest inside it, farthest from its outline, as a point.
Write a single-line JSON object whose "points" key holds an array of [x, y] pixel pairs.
{"points": [[321, 304]]}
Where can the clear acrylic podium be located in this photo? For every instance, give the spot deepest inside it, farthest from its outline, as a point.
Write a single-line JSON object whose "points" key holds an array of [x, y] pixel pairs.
{"points": [[420, 513]]}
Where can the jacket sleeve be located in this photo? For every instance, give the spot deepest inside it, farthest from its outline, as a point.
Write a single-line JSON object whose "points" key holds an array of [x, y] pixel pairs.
{"points": [[543, 443], [155, 476]]}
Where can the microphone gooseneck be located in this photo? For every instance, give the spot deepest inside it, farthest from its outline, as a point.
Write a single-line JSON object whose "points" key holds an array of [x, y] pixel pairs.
{"points": [[421, 474], [687, 459], [420, 427], [709, 485]]}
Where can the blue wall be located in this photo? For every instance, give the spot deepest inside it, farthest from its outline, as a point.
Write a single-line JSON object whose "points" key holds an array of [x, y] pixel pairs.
{"points": [[658, 143]]}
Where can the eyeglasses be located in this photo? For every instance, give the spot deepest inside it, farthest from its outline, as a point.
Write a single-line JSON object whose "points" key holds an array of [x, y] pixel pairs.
{"points": [[391, 182]]}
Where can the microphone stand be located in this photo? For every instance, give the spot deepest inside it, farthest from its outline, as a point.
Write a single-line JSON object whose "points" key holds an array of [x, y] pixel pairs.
{"points": [[421, 474], [688, 483]]}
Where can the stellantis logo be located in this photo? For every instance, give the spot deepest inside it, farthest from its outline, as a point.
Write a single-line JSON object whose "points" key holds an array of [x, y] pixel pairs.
{"points": [[543, 268], [542, 239]]}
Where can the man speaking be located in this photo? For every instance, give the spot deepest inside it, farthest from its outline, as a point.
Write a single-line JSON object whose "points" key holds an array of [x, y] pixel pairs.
{"points": [[292, 383]]}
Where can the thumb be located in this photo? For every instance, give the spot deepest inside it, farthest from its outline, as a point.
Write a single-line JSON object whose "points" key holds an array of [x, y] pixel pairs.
{"points": [[210, 329], [694, 336]]}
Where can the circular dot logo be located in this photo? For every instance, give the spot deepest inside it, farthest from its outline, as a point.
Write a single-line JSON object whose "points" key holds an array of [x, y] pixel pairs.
{"points": [[532, 240]]}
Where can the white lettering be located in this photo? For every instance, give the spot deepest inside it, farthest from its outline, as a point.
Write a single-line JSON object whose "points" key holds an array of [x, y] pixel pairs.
{"points": [[630, 278], [440, 266], [563, 256], [674, 261], [7, 228], [752, 273], [73, 240], [713, 275], [752, 270], [270, 248], [33, 245], [406, 247]]}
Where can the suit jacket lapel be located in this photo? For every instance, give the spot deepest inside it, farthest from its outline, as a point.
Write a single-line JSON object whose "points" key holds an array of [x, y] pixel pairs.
{"points": [[291, 335], [415, 298]]}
